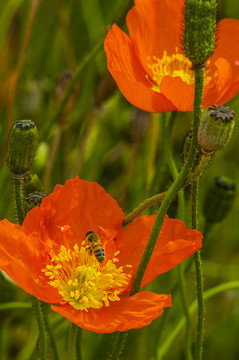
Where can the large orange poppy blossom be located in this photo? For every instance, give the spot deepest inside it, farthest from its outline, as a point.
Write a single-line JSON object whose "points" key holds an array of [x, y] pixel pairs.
{"points": [[48, 257], [149, 65]]}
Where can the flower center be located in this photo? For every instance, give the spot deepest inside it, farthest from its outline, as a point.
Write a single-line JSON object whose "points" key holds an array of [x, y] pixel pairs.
{"points": [[175, 65], [82, 281]]}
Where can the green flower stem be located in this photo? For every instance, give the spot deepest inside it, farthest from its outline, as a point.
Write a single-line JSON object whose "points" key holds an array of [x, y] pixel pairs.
{"points": [[42, 329], [181, 215], [199, 275], [143, 206], [199, 170], [15, 305], [167, 345], [37, 307], [159, 197], [18, 192], [199, 75], [204, 163], [118, 345], [71, 354], [44, 309], [186, 312]]}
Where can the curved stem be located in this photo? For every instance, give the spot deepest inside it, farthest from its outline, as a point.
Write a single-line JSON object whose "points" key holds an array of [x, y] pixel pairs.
{"points": [[199, 276], [180, 215], [174, 188], [71, 354], [143, 206], [199, 75], [231, 285]]}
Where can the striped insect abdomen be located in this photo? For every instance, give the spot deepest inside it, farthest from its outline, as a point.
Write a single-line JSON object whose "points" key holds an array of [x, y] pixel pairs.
{"points": [[99, 252]]}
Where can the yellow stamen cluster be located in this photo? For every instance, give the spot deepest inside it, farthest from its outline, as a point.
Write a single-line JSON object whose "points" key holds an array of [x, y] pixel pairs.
{"points": [[82, 281], [175, 65]]}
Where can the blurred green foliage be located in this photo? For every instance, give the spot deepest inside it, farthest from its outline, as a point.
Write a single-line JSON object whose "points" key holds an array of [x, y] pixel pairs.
{"points": [[102, 138]]}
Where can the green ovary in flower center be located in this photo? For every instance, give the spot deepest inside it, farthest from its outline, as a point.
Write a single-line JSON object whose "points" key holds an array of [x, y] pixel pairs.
{"points": [[82, 281]]}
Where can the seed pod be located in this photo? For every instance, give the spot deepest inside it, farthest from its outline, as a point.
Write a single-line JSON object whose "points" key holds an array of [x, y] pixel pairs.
{"points": [[34, 199], [32, 183], [22, 146], [219, 199], [215, 128], [199, 30]]}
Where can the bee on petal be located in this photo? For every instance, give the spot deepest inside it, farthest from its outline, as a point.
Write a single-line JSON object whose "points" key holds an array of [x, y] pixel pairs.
{"points": [[95, 246]]}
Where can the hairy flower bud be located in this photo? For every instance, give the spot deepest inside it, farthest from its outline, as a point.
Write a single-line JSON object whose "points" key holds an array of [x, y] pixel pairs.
{"points": [[219, 199], [34, 199], [32, 183], [199, 30], [215, 128], [22, 146]]}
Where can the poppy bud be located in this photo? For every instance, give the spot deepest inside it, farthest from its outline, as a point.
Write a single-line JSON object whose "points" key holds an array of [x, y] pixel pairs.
{"points": [[199, 30], [34, 199], [215, 128], [31, 183], [219, 199], [22, 146]]}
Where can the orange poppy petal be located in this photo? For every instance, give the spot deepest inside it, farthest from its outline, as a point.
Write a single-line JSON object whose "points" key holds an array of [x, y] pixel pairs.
{"points": [[129, 74], [175, 244], [81, 206], [21, 260], [219, 85], [178, 92], [227, 45], [129, 313], [155, 26]]}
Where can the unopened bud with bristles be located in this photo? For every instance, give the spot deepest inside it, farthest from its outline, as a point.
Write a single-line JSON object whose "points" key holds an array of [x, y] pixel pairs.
{"points": [[34, 199], [22, 146], [219, 199], [199, 30], [215, 128], [32, 183]]}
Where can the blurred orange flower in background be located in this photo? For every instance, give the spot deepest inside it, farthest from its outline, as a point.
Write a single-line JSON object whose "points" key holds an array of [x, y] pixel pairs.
{"points": [[149, 65], [48, 258]]}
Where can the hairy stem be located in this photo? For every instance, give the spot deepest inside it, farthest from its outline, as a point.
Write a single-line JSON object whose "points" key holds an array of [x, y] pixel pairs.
{"points": [[42, 329], [167, 345], [199, 275]]}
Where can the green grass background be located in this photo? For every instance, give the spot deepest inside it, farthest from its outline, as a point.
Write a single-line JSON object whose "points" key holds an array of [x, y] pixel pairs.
{"points": [[110, 142]]}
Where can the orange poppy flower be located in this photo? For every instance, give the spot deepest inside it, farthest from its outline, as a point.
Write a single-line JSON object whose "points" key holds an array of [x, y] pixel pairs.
{"points": [[149, 65], [48, 257]]}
